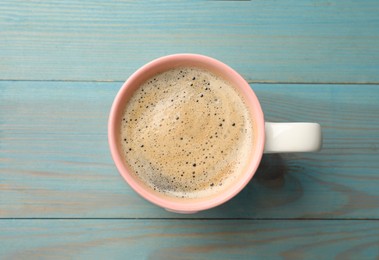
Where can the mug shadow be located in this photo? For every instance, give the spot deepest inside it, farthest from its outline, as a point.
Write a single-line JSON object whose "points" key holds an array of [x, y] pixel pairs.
{"points": [[267, 193]]}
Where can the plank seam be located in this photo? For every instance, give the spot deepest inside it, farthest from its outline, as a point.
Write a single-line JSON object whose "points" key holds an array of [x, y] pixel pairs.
{"points": [[248, 81], [231, 219]]}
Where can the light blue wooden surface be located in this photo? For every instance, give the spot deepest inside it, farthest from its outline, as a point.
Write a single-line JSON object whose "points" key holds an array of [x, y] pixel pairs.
{"points": [[189, 239], [266, 41], [60, 194], [56, 161]]}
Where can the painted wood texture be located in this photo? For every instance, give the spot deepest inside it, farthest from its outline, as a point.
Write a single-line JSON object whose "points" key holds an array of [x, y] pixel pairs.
{"points": [[189, 239], [55, 161], [266, 41], [62, 197]]}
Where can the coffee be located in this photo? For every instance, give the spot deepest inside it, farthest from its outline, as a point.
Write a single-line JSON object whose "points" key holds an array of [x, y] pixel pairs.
{"points": [[187, 133]]}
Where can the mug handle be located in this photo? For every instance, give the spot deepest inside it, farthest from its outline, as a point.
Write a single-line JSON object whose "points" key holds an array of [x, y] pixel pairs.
{"points": [[292, 137]]}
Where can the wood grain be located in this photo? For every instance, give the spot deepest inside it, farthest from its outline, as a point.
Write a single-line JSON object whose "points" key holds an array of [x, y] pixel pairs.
{"points": [[266, 41], [189, 239], [61, 64], [54, 158]]}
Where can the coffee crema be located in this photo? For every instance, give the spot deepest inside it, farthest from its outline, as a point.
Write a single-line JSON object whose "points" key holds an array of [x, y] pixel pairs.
{"points": [[187, 133]]}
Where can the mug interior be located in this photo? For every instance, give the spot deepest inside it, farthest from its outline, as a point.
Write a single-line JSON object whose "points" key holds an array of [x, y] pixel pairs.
{"points": [[163, 64]]}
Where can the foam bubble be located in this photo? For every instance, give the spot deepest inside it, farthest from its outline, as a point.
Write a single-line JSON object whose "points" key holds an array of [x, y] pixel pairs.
{"points": [[187, 133]]}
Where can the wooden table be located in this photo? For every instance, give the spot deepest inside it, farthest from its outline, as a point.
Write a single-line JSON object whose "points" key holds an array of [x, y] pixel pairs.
{"points": [[61, 64]]}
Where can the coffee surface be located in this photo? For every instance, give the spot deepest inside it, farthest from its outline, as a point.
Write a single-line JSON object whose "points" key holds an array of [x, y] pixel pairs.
{"points": [[186, 133]]}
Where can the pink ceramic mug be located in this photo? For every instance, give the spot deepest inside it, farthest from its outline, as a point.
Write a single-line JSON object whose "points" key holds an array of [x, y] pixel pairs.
{"points": [[269, 137]]}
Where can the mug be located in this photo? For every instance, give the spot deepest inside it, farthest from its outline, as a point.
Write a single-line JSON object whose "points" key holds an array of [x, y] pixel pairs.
{"points": [[269, 137]]}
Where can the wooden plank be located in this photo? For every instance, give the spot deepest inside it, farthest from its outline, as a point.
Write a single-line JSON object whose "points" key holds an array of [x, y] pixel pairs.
{"points": [[55, 162], [266, 41], [189, 239]]}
